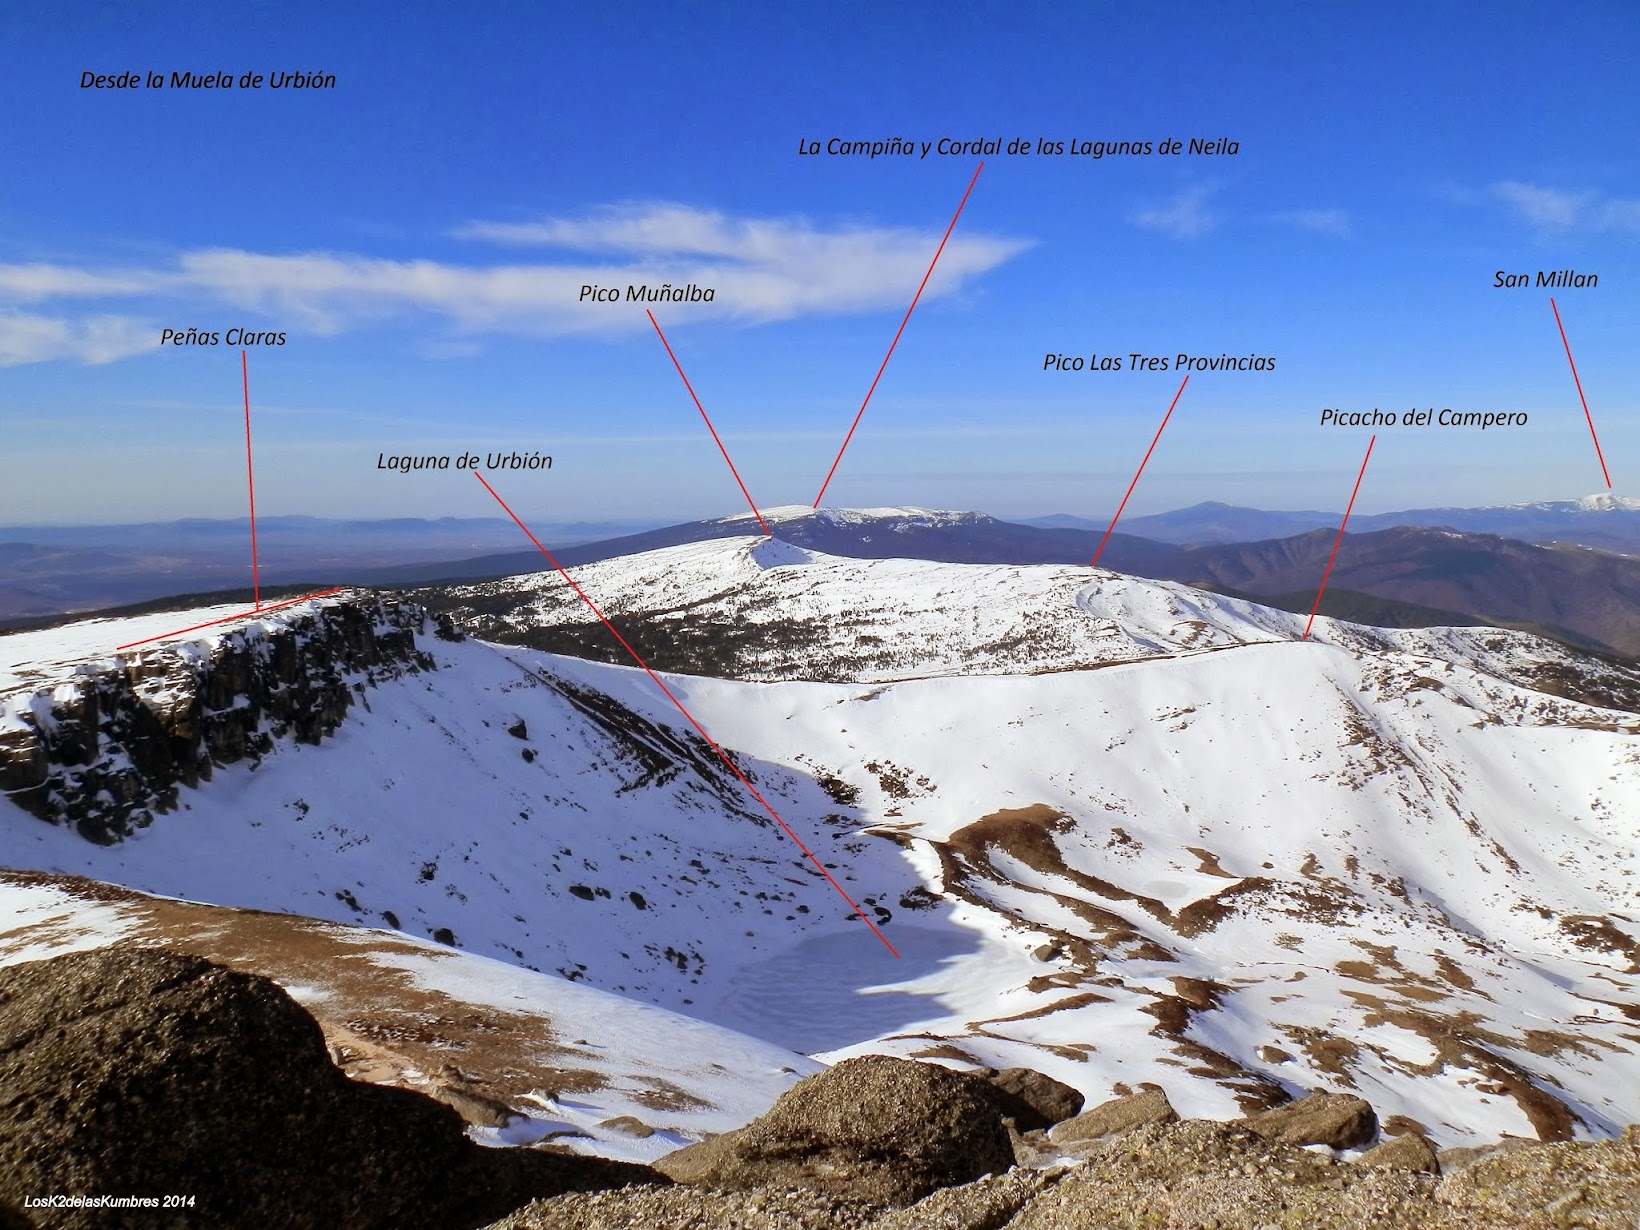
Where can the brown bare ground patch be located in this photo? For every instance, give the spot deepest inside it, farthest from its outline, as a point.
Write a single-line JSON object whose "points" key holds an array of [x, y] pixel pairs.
{"points": [[1207, 863], [1172, 1014], [1362, 971], [944, 1050], [1460, 1040], [1200, 993], [1454, 973], [1598, 934], [664, 1096], [1201, 917], [1052, 982], [1326, 1051], [1068, 1004], [1027, 833]]}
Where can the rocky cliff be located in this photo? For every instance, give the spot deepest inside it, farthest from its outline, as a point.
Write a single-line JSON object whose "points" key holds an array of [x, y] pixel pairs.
{"points": [[108, 747]]}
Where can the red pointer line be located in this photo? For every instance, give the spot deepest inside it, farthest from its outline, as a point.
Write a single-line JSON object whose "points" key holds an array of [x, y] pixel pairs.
{"points": [[678, 704], [1337, 542], [709, 426], [1135, 481], [1580, 396], [250, 481], [896, 341], [228, 619]]}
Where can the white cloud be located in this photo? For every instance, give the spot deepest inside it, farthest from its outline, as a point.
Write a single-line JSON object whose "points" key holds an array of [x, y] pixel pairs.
{"points": [[1334, 222], [760, 270], [35, 282], [94, 339], [1184, 217], [1621, 216], [1544, 207], [1554, 209]]}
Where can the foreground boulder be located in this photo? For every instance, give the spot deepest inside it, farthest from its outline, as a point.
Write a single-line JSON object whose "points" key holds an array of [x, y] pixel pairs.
{"points": [[1406, 1152], [1337, 1119], [877, 1129], [986, 1204], [1034, 1100], [1116, 1116], [1177, 1176], [146, 1073]]}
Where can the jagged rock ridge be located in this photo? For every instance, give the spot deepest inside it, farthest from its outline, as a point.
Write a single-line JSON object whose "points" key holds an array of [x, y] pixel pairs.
{"points": [[109, 748]]}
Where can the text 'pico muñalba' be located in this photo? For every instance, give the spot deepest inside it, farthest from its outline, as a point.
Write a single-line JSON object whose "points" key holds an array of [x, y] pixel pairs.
{"points": [[664, 293]]}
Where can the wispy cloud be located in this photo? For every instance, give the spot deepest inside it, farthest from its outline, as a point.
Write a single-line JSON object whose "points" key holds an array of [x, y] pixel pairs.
{"points": [[95, 339], [1185, 216], [1334, 222], [1558, 210], [36, 282], [760, 270]]}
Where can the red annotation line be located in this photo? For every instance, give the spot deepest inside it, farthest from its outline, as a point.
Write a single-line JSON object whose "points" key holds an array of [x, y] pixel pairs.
{"points": [[689, 717], [708, 421], [1141, 470], [858, 416], [1337, 542], [250, 481], [1580, 397], [228, 619]]}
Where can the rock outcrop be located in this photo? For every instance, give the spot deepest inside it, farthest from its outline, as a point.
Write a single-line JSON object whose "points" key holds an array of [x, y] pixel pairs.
{"points": [[876, 1129], [1115, 1117], [1408, 1151], [136, 1072], [1174, 1176], [1034, 1100], [1337, 1119], [109, 749]]}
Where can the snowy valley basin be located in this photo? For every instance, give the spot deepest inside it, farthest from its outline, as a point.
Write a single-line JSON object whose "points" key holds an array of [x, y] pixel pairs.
{"points": [[1119, 831]]}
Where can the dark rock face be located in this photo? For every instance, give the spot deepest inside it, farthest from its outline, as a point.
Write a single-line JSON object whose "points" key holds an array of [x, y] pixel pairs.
{"points": [[109, 757], [140, 1072], [876, 1129], [1033, 1100]]}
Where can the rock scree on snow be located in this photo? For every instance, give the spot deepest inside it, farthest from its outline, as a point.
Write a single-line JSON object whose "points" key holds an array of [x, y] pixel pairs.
{"points": [[131, 1071], [876, 1129]]}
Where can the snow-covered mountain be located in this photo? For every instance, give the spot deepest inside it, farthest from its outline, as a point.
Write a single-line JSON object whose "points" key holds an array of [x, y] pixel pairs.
{"points": [[1118, 830], [765, 609], [1605, 501]]}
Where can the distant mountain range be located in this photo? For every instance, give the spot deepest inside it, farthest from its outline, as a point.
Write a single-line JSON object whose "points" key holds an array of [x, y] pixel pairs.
{"points": [[1400, 575], [1403, 577], [47, 570], [1609, 522]]}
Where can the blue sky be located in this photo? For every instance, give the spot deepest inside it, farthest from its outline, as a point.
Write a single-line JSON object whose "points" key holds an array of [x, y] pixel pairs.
{"points": [[419, 233]]}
